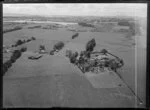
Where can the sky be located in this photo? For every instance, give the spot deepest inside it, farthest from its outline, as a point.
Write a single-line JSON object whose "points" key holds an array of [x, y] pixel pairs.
{"points": [[78, 9]]}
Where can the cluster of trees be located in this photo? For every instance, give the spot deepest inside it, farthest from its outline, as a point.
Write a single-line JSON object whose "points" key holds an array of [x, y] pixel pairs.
{"points": [[83, 56], [75, 35], [58, 46], [20, 42], [15, 55], [80, 60], [84, 62], [13, 29]]}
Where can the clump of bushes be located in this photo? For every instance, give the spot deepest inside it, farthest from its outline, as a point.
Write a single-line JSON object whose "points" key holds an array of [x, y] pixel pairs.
{"points": [[33, 38], [42, 47], [90, 45], [59, 45], [52, 52], [28, 40], [75, 35]]}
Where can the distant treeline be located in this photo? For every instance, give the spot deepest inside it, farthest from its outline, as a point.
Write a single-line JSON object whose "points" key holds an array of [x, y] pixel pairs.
{"points": [[15, 55], [54, 27], [34, 27], [76, 19], [85, 24], [13, 29], [134, 28]]}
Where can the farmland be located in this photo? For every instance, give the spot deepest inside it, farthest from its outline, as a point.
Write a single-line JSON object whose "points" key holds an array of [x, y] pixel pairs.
{"points": [[52, 81]]}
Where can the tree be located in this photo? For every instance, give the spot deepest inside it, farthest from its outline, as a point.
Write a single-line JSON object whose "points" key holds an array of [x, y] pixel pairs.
{"points": [[75, 35], [33, 38], [90, 45], [59, 45], [73, 57]]}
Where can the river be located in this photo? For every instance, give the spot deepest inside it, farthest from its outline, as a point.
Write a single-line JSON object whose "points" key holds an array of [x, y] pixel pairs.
{"points": [[29, 21]]}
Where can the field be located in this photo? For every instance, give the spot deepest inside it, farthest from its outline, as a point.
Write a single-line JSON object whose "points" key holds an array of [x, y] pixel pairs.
{"points": [[52, 81]]}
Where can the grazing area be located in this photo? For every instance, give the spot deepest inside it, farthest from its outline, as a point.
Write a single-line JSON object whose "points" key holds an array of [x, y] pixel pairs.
{"points": [[73, 61]]}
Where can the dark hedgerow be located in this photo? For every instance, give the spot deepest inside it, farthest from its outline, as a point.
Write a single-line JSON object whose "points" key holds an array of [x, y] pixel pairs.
{"points": [[28, 40], [4, 68], [15, 55], [6, 65], [84, 24], [12, 59], [59, 45]]}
